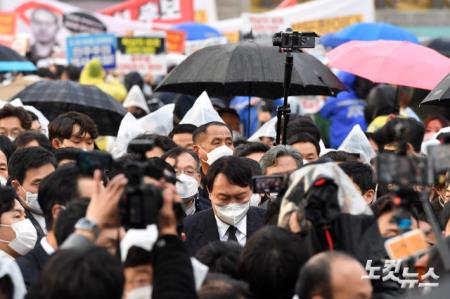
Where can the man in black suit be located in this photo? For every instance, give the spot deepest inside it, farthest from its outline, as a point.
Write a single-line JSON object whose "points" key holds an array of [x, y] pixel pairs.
{"points": [[55, 191], [231, 218]]}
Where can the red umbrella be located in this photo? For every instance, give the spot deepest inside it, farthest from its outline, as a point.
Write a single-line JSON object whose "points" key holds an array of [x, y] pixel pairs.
{"points": [[392, 62]]}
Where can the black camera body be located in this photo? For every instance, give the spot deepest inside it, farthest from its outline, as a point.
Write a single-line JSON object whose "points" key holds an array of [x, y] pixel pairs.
{"points": [[291, 41], [141, 202]]}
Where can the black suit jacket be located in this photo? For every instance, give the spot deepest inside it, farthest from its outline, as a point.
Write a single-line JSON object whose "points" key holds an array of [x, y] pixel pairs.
{"points": [[32, 263], [201, 228]]}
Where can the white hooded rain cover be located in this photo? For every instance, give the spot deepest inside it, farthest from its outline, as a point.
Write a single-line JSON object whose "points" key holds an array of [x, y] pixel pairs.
{"points": [[136, 98], [158, 122], [202, 112], [356, 142]]}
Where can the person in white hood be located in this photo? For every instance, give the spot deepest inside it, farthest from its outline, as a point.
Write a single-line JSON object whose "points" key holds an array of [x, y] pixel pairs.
{"points": [[135, 102]]}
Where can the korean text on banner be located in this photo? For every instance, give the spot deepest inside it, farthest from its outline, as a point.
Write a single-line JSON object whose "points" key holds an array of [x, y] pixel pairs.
{"points": [[321, 16], [141, 45], [175, 40], [82, 48]]}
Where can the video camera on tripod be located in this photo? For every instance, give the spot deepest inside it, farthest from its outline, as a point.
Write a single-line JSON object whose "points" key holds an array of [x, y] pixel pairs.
{"points": [[288, 42]]}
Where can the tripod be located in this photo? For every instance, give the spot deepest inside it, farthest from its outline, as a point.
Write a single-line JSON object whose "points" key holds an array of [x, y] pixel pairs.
{"points": [[283, 112]]}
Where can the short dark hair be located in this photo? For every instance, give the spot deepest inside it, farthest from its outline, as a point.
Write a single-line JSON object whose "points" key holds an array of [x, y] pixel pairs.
{"points": [[77, 274], [8, 196], [246, 149], [302, 124], [219, 289], [183, 129], [235, 169], [133, 78], [304, 138], [163, 142], [24, 159], [340, 156], [222, 111], [203, 128], [11, 111], [73, 72], [26, 137], [59, 187], [315, 276], [414, 132], [67, 218], [61, 127], [221, 257], [67, 153], [178, 151], [360, 173], [270, 262], [6, 146]]}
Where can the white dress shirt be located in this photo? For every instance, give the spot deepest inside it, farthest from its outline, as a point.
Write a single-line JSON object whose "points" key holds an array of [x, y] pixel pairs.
{"points": [[241, 230], [46, 246]]}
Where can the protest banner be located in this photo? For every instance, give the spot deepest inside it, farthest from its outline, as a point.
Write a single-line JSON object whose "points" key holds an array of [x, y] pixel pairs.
{"points": [[175, 41], [144, 64], [155, 11], [320, 16], [80, 49], [7, 24], [144, 54], [141, 45]]}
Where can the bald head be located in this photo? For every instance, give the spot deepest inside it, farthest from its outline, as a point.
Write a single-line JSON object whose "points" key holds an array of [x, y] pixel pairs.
{"points": [[333, 275]]}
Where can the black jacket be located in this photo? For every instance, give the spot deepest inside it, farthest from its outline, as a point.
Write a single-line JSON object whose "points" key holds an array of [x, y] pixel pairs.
{"points": [[32, 263], [173, 276], [201, 228]]}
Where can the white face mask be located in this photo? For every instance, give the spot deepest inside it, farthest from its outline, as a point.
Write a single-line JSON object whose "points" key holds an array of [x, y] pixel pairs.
{"points": [[305, 162], [140, 293], [32, 202], [186, 186], [11, 138], [255, 200], [217, 153], [3, 181], [232, 213], [26, 236]]}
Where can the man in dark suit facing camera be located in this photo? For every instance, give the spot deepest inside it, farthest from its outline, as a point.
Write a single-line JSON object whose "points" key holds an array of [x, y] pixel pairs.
{"points": [[229, 182]]}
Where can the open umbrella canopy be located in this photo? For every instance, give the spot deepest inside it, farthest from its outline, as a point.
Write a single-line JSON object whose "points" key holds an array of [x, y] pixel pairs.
{"points": [[442, 45], [440, 95], [11, 61], [392, 62], [56, 97], [368, 32], [249, 69], [197, 31]]}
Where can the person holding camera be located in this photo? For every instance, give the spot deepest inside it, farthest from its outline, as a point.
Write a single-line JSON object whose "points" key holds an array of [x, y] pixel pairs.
{"points": [[229, 183]]}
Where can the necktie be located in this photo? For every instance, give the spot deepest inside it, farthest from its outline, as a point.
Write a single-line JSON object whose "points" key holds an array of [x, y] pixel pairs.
{"points": [[232, 233]]}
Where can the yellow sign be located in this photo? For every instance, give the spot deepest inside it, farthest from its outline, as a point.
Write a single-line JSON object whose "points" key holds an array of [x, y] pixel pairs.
{"points": [[329, 25]]}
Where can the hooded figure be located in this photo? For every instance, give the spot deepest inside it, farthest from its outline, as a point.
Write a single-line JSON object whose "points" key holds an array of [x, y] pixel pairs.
{"points": [[357, 142], [344, 111], [135, 102], [94, 74]]}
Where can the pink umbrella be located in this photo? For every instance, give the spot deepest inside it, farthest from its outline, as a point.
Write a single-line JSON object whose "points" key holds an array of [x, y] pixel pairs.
{"points": [[392, 62]]}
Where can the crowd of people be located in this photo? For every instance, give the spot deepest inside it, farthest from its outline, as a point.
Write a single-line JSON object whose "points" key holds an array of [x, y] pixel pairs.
{"points": [[202, 228]]}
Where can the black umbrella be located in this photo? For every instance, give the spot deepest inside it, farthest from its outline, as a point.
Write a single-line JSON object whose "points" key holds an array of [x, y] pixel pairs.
{"points": [[56, 97], [11, 61], [440, 95], [442, 45], [248, 68]]}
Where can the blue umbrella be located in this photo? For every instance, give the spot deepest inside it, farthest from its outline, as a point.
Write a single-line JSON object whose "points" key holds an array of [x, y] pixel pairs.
{"points": [[11, 61], [368, 32], [197, 31]]}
